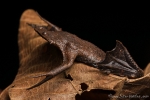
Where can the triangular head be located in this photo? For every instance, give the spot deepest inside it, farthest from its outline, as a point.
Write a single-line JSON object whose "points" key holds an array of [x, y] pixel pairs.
{"points": [[119, 62]]}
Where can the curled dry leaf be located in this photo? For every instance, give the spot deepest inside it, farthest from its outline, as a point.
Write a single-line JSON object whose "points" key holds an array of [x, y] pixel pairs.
{"points": [[147, 69], [80, 82]]}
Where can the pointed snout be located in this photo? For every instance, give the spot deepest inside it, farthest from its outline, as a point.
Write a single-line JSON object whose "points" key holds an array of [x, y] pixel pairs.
{"points": [[32, 25]]}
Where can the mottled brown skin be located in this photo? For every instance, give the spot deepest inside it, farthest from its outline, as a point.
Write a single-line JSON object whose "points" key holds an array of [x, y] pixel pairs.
{"points": [[75, 49], [72, 48]]}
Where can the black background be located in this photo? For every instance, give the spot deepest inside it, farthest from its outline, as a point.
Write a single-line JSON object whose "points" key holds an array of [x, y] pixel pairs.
{"points": [[90, 22]]}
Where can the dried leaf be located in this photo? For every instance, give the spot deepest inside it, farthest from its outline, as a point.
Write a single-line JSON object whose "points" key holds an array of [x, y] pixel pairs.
{"points": [[147, 69], [38, 57]]}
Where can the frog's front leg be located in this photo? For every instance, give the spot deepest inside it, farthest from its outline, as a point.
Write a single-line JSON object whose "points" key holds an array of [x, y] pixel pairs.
{"points": [[68, 59]]}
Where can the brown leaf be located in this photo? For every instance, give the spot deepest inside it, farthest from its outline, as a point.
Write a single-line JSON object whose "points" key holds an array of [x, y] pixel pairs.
{"points": [[38, 57], [147, 69]]}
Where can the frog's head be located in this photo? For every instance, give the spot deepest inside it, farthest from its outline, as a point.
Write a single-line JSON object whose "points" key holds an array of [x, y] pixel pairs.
{"points": [[38, 28]]}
